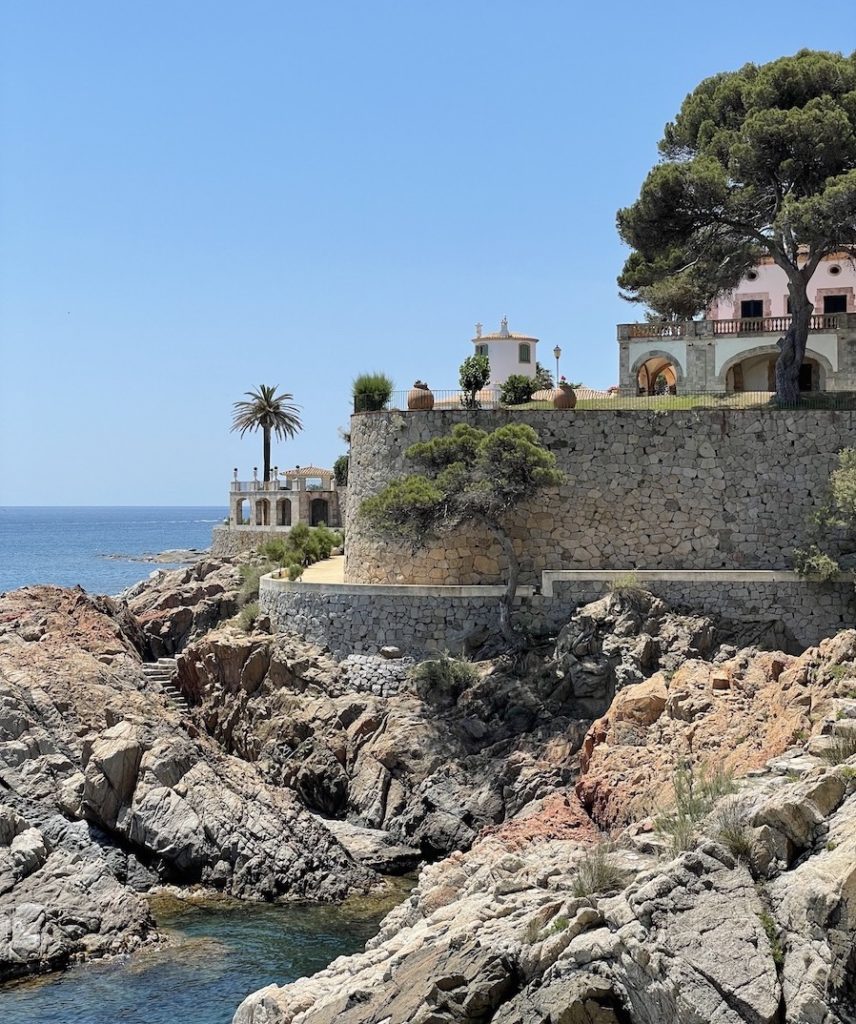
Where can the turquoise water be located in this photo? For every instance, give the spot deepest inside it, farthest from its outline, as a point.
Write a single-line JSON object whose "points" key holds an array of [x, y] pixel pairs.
{"points": [[219, 954], [77, 545]]}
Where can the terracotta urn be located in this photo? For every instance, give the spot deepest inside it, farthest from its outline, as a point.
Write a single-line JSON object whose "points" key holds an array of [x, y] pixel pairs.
{"points": [[564, 397], [420, 397]]}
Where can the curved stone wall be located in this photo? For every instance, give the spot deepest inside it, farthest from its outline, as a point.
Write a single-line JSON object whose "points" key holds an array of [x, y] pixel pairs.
{"points": [[694, 489]]}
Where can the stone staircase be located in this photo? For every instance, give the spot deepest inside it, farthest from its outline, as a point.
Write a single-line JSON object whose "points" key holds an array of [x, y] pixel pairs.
{"points": [[161, 674]]}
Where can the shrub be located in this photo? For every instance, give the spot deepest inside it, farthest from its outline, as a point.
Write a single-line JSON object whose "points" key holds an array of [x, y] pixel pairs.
{"points": [[295, 571], [695, 795], [842, 748], [340, 470], [444, 678], [371, 392], [729, 825], [251, 574], [628, 583], [247, 616], [473, 375], [517, 389], [596, 874], [771, 929], [814, 564]]}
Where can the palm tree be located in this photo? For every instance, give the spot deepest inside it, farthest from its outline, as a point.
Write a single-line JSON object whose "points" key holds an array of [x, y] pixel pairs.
{"points": [[270, 412]]}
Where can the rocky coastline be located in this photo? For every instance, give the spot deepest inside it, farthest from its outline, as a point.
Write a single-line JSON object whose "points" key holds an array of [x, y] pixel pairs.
{"points": [[280, 773]]}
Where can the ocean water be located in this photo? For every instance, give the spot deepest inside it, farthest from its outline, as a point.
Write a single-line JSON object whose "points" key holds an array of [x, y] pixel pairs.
{"points": [[95, 547], [218, 955]]}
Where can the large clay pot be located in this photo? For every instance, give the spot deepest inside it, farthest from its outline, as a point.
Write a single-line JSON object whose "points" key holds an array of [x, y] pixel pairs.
{"points": [[420, 397], [564, 397]]}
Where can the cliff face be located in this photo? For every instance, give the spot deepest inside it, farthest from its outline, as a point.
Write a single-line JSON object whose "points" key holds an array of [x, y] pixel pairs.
{"points": [[106, 789], [755, 923]]}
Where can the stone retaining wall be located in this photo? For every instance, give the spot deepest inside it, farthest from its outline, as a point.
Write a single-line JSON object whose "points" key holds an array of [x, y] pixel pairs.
{"points": [[228, 541], [682, 489], [360, 619]]}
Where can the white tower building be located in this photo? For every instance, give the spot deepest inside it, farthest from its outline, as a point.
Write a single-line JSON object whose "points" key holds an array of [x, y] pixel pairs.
{"points": [[508, 353]]}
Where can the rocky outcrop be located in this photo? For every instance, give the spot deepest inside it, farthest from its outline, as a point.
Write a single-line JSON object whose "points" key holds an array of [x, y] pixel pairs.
{"points": [[749, 926], [173, 607], [430, 767], [106, 789], [735, 715], [506, 933]]}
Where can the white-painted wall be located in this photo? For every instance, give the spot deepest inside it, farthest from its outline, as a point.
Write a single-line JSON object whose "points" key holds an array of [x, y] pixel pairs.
{"points": [[504, 356]]}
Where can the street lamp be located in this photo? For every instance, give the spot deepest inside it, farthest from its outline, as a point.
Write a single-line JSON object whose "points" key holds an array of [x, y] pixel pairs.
{"points": [[557, 352]]}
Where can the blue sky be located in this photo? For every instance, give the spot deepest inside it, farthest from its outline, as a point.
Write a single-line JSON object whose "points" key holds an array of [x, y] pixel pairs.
{"points": [[196, 198]]}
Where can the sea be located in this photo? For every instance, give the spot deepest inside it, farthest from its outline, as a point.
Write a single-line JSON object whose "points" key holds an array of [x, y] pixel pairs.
{"points": [[100, 548]]}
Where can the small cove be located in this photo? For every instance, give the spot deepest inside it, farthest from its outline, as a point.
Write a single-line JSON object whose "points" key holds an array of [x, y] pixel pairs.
{"points": [[218, 952]]}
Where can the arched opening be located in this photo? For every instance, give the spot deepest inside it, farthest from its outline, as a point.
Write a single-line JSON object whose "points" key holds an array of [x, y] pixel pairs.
{"points": [[283, 512], [318, 512], [658, 375], [757, 372], [263, 512], [242, 512]]}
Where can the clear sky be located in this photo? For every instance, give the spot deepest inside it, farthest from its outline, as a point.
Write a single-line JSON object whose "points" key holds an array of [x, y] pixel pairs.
{"points": [[199, 197]]}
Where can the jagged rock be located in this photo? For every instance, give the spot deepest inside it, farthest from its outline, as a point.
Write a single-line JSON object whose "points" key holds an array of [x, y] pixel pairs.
{"points": [[84, 737], [175, 606]]}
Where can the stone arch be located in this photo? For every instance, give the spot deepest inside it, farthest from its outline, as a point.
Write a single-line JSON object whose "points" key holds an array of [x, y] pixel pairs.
{"points": [[242, 511], [819, 378], [283, 512], [319, 512], [651, 365], [262, 512]]}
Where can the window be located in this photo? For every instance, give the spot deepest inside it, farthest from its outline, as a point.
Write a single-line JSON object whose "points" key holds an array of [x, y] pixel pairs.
{"points": [[481, 350], [750, 308], [524, 354], [834, 303]]}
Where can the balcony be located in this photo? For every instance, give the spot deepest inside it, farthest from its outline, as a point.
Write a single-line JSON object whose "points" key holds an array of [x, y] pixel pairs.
{"points": [[743, 326]]}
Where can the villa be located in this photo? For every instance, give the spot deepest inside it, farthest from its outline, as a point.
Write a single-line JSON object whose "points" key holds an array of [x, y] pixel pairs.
{"points": [[734, 349]]}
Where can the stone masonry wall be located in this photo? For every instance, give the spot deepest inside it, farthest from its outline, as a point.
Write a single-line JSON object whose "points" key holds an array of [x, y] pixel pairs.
{"points": [[227, 542], [682, 489], [348, 621], [361, 620]]}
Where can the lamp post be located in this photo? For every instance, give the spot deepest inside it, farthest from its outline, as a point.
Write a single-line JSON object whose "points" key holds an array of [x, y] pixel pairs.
{"points": [[557, 352]]}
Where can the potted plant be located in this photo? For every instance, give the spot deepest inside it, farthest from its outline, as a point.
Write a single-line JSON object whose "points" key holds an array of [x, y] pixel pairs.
{"points": [[420, 397], [564, 397]]}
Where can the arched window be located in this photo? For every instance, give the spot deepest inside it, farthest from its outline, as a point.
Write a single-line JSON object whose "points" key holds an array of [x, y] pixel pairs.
{"points": [[524, 353]]}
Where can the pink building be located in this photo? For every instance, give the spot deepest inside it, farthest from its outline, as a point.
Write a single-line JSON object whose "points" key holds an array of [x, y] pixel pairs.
{"points": [[734, 347]]}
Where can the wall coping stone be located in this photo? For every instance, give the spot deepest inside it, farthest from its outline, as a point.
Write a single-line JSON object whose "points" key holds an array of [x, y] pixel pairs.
{"points": [[701, 576], [272, 582]]}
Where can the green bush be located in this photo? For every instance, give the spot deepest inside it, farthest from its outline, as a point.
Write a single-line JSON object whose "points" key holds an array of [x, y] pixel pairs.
{"points": [[473, 375], [443, 679], [250, 575], [730, 826], [843, 747], [340, 470], [696, 792], [517, 389], [302, 545], [295, 572], [247, 616], [596, 874], [771, 929], [814, 564], [371, 392], [627, 583]]}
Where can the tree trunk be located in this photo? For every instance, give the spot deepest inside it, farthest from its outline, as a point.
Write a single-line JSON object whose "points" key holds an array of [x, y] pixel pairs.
{"points": [[507, 606], [792, 348], [266, 444]]}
